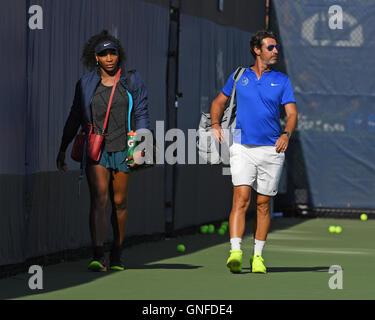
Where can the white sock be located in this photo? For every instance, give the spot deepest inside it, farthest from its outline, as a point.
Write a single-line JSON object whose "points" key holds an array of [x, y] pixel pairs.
{"points": [[235, 243], [258, 246]]}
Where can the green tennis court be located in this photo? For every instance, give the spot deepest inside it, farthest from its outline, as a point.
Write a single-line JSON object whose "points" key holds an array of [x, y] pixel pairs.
{"points": [[298, 255]]}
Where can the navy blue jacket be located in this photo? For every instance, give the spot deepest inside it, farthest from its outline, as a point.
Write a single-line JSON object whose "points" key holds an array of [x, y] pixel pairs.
{"points": [[80, 113]]}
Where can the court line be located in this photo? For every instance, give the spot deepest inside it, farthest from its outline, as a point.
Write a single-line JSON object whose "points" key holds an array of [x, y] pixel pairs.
{"points": [[287, 237], [272, 247]]}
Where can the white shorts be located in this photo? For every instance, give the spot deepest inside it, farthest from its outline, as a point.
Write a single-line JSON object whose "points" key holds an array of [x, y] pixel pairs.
{"points": [[259, 167]]}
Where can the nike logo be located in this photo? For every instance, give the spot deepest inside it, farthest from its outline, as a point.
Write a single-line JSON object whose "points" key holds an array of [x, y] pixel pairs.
{"points": [[274, 84], [106, 44]]}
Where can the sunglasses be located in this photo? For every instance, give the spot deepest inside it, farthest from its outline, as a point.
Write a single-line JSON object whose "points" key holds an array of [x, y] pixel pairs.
{"points": [[272, 46]]}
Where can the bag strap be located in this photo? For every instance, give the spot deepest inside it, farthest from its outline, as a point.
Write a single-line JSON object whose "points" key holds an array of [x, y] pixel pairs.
{"points": [[110, 99], [237, 76], [130, 119]]}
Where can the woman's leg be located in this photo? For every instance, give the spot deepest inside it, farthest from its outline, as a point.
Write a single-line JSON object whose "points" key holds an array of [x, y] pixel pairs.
{"points": [[98, 178], [118, 194]]}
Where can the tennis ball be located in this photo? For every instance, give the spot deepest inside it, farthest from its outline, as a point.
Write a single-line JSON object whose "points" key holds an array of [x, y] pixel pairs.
{"points": [[332, 229], [338, 229], [221, 231], [181, 248], [363, 216], [204, 229], [211, 228], [224, 224]]}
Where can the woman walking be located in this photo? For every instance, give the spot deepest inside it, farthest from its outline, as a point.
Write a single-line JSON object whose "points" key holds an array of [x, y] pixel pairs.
{"points": [[108, 178]]}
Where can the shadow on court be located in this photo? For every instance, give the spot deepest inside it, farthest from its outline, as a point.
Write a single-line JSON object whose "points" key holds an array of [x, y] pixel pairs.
{"points": [[174, 266], [137, 256], [292, 269]]}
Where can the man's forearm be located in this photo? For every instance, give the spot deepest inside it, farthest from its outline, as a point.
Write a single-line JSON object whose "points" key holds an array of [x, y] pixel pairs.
{"points": [[291, 123], [216, 112]]}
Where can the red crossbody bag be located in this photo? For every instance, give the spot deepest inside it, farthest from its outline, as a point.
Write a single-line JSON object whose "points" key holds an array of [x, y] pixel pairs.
{"points": [[92, 141]]}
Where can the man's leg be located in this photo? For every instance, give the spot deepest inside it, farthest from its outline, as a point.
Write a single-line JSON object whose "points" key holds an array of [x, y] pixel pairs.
{"points": [[261, 227], [263, 217], [241, 202], [237, 218]]}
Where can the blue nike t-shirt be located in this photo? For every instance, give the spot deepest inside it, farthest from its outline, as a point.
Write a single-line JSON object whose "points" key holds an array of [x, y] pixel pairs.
{"points": [[258, 106]]}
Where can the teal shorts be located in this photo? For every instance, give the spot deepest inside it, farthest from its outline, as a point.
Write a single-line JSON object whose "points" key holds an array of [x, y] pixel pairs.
{"points": [[114, 160]]}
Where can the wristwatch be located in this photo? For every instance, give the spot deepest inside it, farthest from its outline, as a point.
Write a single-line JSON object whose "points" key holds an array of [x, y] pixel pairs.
{"points": [[287, 133]]}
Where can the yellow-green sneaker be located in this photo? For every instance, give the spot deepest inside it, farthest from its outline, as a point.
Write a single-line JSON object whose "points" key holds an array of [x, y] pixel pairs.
{"points": [[234, 262], [97, 266], [257, 265]]}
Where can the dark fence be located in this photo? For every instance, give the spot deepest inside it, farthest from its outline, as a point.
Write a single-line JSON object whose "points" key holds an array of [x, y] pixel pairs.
{"points": [[326, 47], [41, 213]]}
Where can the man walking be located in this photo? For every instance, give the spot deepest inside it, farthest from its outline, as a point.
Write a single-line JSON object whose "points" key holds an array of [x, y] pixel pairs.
{"points": [[258, 152]]}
